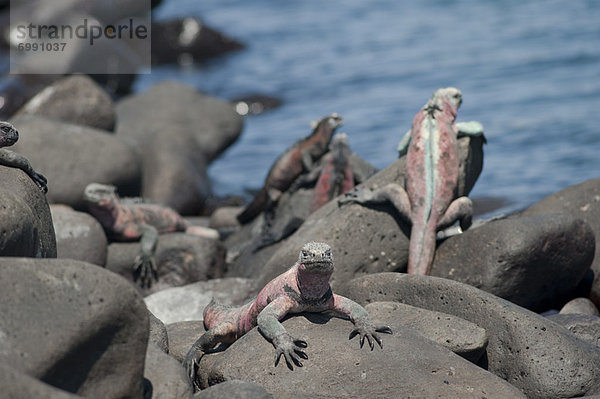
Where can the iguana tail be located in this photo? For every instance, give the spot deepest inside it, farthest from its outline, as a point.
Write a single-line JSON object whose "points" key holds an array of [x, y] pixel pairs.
{"points": [[255, 207], [421, 249]]}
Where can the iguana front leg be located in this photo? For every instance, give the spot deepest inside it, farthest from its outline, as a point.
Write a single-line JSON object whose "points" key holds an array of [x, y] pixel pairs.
{"points": [[391, 192], [14, 160], [460, 209], [144, 265], [360, 318], [287, 346]]}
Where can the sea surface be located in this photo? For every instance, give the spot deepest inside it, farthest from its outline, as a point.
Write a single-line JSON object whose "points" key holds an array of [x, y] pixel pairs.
{"points": [[529, 72]]}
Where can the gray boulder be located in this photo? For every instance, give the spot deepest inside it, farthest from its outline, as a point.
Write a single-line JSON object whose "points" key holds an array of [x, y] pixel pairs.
{"points": [[364, 239], [336, 367], [180, 258], [182, 335], [179, 132], [464, 338], [75, 325], [533, 261], [580, 306], [168, 378], [73, 156], [27, 228], [78, 236], [534, 354], [158, 333], [234, 390], [17, 385], [581, 201], [75, 99], [583, 326], [188, 302]]}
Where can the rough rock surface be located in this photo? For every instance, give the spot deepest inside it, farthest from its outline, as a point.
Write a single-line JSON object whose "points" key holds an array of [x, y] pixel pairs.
{"points": [[70, 157], [580, 306], [180, 258], [179, 132], [182, 335], [73, 325], [460, 336], [336, 367], [533, 261], [585, 327], [166, 375], [76, 99], [581, 201], [534, 354], [26, 228], [234, 390], [364, 239], [188, 302], [78, 236], [17, 385], [158, 333]]}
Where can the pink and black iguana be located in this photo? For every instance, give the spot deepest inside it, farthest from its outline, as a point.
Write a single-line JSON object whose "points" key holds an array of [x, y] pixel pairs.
{"points": [[302, 288], [9, 136], [429, 199], [130, 219], [292, 163]]}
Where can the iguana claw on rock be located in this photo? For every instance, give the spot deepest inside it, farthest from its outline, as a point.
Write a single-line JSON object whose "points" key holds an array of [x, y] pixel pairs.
{"points": [[429, 199], [9, 136], [302, 288], [297, 159], [132, 219]]}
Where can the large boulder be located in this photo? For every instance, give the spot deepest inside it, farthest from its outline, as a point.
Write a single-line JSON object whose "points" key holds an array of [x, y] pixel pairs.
{"points": [[583, 326], [17, 385], [180, 258], [166, 375], [72, 156], [365, 239], [78, 236], [76, 99], [531, 352], [533, 261], [581, 201], [409, 365], [73, 325], [179, 131], [26, 223]]}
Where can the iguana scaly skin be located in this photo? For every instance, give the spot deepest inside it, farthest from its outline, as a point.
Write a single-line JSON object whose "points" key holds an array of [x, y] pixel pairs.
{"points": [[9, 136], [303, 288], [294, 161], [132, 220], [428, 200]]}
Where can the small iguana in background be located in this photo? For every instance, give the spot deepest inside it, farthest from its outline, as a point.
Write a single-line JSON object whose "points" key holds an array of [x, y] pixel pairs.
{"points": [[294, 161], [9, 136], [130, 219], [429, 199], [302, 288]]}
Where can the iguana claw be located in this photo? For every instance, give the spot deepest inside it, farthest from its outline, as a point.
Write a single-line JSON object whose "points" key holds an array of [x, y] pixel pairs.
{"points": [[369, 332], [145, 269], [290, 349], [41, 181], [190, 364], [357, 196]]}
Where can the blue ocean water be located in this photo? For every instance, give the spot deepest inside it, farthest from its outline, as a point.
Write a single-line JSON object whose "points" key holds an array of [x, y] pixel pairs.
{"points": [[529, 71]]}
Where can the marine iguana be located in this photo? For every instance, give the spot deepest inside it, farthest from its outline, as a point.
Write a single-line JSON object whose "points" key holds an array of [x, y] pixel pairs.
{"points": [[295, 160], [9, 136], [430, 200], [302, 288], [130, 219]]}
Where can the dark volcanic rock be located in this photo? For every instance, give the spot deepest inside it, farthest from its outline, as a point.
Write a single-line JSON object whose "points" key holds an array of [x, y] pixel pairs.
{"points": [[181, 337], [188, 40], [532, 353], [78, 236], [234, 390], [158, 333], [166, 375], [179, 132], [17, 385], [533, 261], [336, 367], [73, 325], [583, 326], [180, 258], [460, 336], [581, 201], [73, 156], [76, 99], [26, 228], [364, 239]]}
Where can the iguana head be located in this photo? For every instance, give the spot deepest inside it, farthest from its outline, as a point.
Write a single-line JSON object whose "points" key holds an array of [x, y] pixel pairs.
{"points": [[316, 257], [448, 98], [8, 134], [99, 194], [332, 122], [340, 146]]}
